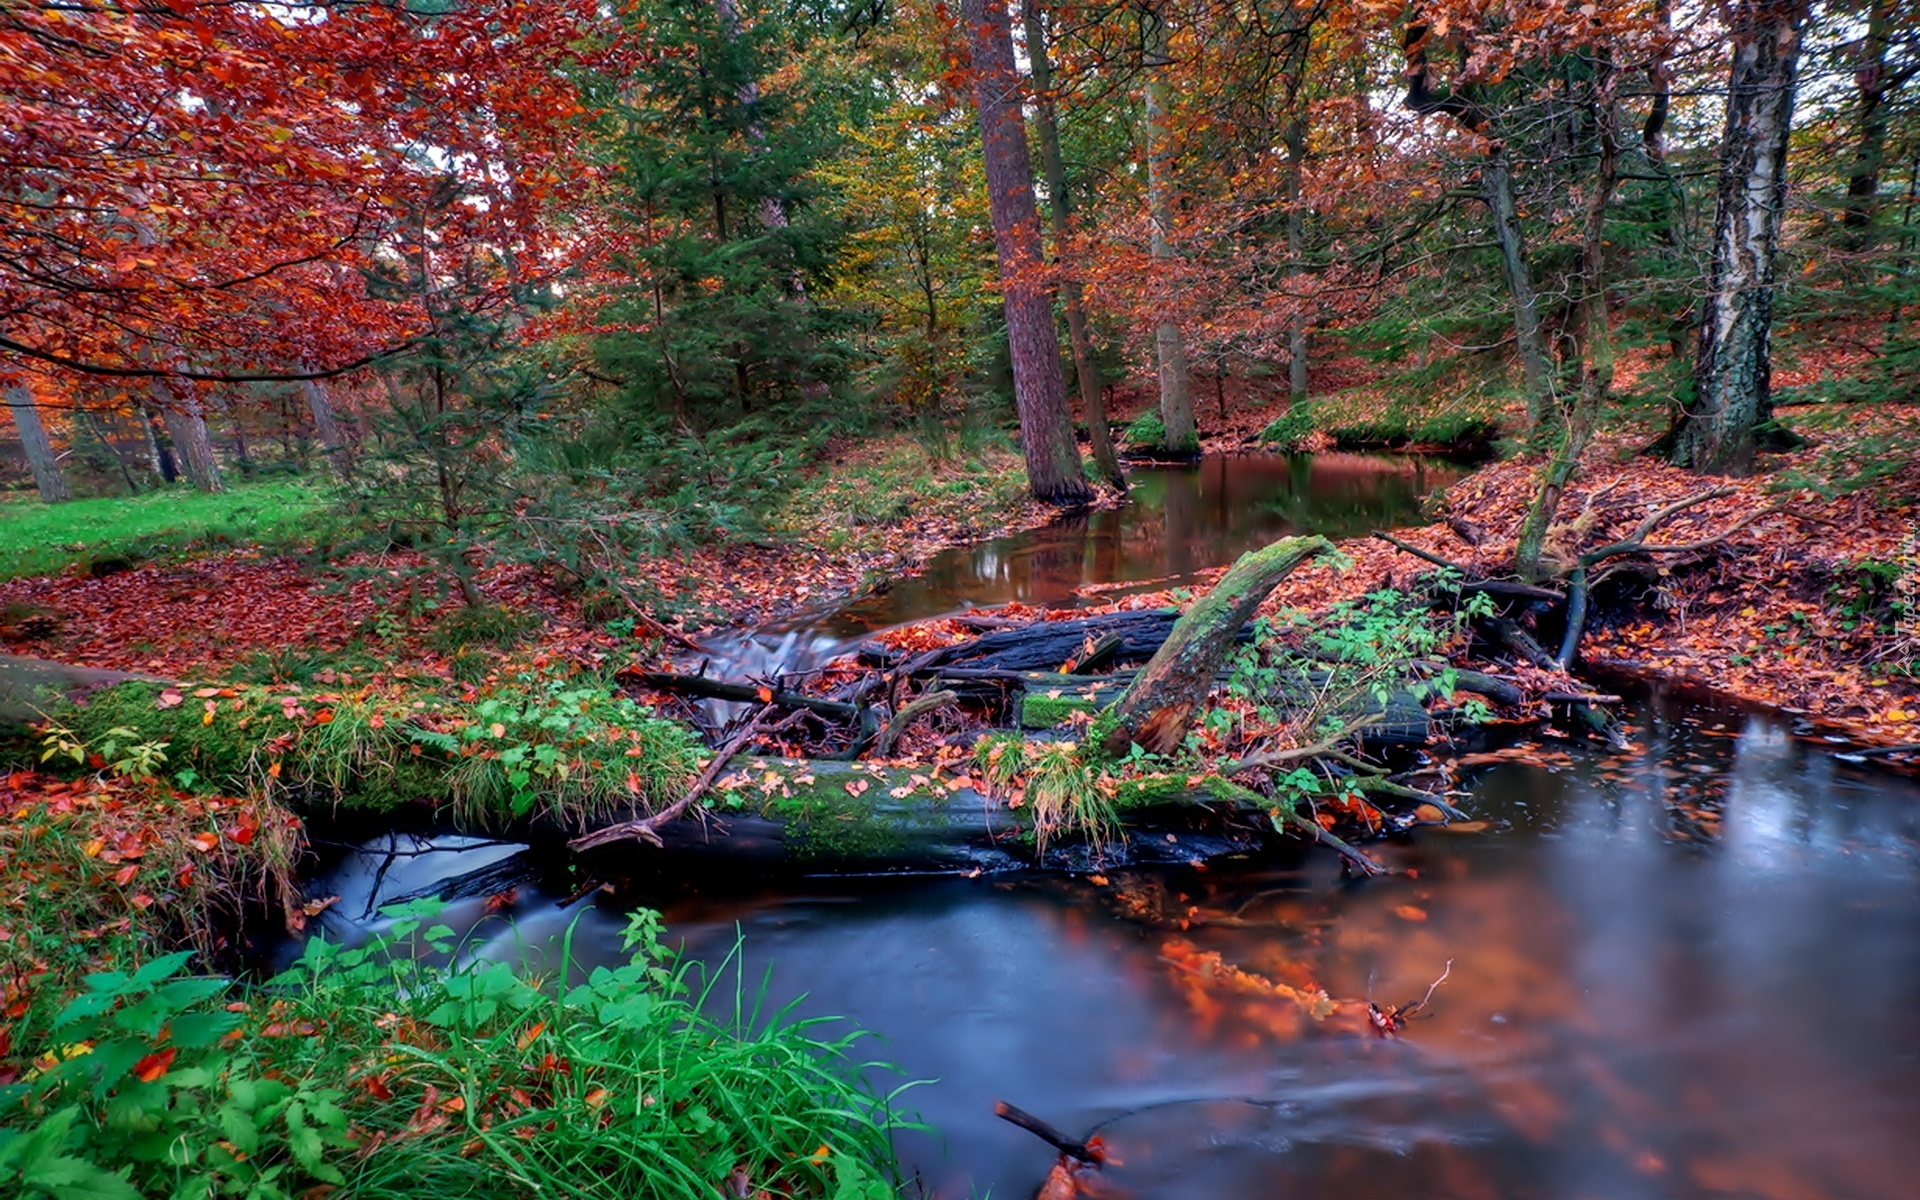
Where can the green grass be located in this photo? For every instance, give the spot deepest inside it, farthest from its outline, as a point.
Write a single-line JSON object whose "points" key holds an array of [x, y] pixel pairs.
{"points": [[41, 539]]}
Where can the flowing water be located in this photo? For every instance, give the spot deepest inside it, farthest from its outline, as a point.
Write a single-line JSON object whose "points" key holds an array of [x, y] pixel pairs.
{"points": [[1690, 970]]}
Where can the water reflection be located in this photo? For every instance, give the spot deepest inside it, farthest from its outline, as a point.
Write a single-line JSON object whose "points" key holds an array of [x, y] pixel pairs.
{"points": [[1628, 1014], [1178, 521]]}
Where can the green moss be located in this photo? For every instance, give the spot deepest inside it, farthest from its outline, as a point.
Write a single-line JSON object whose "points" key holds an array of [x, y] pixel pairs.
{"points": [[1045, 712]]}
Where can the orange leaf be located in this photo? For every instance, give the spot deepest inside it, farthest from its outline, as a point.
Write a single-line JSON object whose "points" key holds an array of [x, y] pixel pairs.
{"points": [[204, 842], [154, 1065], [527, 1035]]}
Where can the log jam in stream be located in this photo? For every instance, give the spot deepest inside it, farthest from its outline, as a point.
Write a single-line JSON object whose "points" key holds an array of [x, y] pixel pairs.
{"points": [[1679, 970]]}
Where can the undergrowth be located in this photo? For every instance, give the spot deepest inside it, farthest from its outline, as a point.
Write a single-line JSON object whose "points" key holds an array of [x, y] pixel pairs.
{"points": [[383, 1071], [536, 747]]}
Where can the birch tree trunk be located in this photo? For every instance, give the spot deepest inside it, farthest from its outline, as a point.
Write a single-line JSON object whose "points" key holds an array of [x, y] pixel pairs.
{"points": [[1039, 384], [41, 459], [1169, 344], [187, 430], [1086, 366], [1733, 373]]}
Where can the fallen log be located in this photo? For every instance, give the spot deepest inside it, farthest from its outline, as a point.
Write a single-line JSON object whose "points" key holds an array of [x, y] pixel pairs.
{"points": [[1159, 704], [746, 693]]}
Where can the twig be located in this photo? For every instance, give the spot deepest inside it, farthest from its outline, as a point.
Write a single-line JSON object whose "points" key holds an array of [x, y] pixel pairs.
{"points": [[1421, 1003], [648, 829], [1324, 748], [908, 714], [1661, 516], [1046, 1133], [1417, 552]]}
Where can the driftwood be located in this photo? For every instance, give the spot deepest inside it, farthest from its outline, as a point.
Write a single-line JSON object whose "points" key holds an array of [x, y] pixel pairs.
{"points": [[1158, 705]]}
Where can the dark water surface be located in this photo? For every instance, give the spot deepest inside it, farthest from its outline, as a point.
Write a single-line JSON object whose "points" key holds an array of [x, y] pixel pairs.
{"points": [[1690, 970], [1178, 521]]}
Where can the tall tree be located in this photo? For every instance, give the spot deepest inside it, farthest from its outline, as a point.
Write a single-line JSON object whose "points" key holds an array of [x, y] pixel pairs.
{"points": [[1169, 343], [1086, 362], [1466, 104], [41, 459], [1733, 371], [1039, 384]]}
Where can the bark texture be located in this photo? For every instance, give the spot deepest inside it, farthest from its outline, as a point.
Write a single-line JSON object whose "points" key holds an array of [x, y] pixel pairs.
{"points": [[326, 426], [187, 430], [41, 459], [1039, 384], [1733, 373], [1158, 706], [1169, 344], [1086, 365]]}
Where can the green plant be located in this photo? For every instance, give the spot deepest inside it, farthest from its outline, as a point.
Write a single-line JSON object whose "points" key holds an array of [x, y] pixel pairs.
{"points": [[1145, 432], [378, 1071]]}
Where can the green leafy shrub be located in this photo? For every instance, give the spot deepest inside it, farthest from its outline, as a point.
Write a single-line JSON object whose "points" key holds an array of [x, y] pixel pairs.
{"points": [[379, 1072], [567, 749], [1147, 432]]}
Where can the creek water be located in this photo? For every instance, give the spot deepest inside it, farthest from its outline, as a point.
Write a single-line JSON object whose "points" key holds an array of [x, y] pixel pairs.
{"points": [[1687, 970]]}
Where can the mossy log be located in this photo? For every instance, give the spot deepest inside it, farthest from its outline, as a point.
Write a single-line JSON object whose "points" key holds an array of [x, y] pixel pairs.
{"points": [[814, 815], [1158, 706]]}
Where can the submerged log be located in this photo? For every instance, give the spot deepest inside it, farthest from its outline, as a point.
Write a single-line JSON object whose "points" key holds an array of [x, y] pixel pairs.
{"points": [[1158, 706]]}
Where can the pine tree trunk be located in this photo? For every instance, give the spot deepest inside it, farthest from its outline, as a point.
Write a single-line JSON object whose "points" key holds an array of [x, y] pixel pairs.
{"points": [[41, 459], [326, 426], [1733, 373], [1169, 344], [1039, 384], [187, 430], [1596, 340], [1086, 365]]}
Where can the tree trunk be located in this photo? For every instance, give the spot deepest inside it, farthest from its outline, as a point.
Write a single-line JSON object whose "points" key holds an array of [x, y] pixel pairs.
{"points": [[1496, 188], [1496, 182], [326, 426], [1158, 706], [1733, 374], [1039, 384], [1296, 142], [1086, 366], [159, 446], [1596, 339], [1169, 344], [39, 447], [187, 430], [1873, 86]]}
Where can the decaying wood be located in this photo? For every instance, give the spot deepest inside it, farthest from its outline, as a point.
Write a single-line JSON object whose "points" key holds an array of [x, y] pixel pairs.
{"points": [[908, 714], [716, 689], [1158, 705]]}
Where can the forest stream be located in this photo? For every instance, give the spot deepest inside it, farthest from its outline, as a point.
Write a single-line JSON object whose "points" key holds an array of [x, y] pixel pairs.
{"points": [[1687, 970]]}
